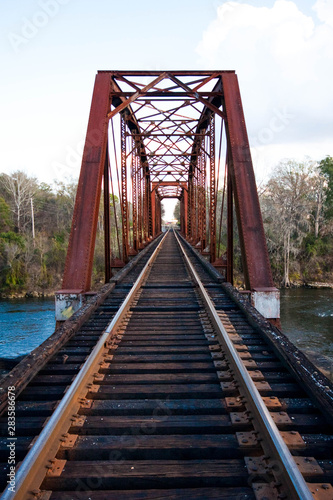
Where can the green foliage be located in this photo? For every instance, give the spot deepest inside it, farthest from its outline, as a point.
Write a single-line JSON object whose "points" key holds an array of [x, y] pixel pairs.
{"points": [[27, 263], [12, 273], [176, 211], [10, 237], [296, 206], [326, 167], [56, 255], [5, 216], [313, 246]]}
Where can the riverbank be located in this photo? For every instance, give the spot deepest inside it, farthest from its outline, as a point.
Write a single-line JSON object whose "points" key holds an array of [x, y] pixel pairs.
{"points": [[45, 294], [315, 285]]}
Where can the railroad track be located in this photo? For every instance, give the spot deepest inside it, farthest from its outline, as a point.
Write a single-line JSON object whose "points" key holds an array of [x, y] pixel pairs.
{"points": [[178, 397]]}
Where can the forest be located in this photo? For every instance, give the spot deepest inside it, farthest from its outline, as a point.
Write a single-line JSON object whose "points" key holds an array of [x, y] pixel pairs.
{"points": [[297, 209], [35, 221]]}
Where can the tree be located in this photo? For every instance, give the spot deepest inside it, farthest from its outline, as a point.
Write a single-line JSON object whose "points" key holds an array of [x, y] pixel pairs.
{"points": [[20, 190], [65, 201], [28, 263], [317, 196], [326, 168], [286, 210], [5, 218], [11, 267], [176, 211]]}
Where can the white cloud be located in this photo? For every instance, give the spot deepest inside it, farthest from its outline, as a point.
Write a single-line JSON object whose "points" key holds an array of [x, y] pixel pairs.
{"points": [[324, 10], [284, 62]]}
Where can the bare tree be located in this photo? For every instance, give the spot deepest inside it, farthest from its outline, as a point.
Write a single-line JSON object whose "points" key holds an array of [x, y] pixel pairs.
{"points": [[20, 190], [317, 192], [287, 207]]}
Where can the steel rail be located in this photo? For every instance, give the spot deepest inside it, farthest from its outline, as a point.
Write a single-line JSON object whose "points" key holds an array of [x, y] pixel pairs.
{"points": [[33, 468], [272, 443]]}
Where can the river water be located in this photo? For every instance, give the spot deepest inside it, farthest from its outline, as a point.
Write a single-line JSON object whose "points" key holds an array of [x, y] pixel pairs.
{"points": [[307, 320], [306, 317], [24, 325]]}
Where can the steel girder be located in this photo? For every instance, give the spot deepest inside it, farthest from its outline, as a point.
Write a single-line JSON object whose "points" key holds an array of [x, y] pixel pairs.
{"points": [[257, 269], [79, 261]]}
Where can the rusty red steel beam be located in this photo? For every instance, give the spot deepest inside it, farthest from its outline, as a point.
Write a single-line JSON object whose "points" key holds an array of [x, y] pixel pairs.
{"points": [[230, 233], [203, 192], [131, 120], [256, 265], [79, 260], [140, 208], [173, 72], [131, 99], [124, 215], [206, 102], [212, 192], [162, 93], [156, 185], [107, 227], [135, 166], [183, 213]]}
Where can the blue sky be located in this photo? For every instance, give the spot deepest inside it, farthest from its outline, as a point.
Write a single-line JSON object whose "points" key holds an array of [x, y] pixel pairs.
{"points": [[50, 51]]}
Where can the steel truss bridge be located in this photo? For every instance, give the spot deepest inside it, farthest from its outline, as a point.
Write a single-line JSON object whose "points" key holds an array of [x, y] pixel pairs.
{"points": [[177, 134], [167, 383]]}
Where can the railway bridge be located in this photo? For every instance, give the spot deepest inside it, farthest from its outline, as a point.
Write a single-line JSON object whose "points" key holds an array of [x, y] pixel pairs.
{"points": [[168, 382]]}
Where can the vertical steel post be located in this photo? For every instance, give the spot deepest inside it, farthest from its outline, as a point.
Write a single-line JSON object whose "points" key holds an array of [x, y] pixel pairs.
{"points": [[199, 208], [203, 193], [124, 189], [148, 207], [212, 191], [195, 208], [153, 205], [230, 232], [197, 204], [144, 207], [185, 195], [181, 213], [159, 215], [134, 192], [256, 265], [189, 206], [80, 254], [140, 214], [107, 235]]}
